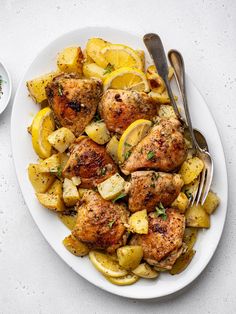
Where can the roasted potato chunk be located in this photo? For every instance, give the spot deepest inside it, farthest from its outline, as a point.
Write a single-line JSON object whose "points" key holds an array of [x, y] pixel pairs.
{"points": [[181, 202], [111, 187], [211, 203], [191, 169], [50, 164], [197, 217], [129, 256], [36, 87], [166, 111], [51, 201], [40, 181], [182, 262], [75, 246], [98, 132], [56, 188], [70, 60], [112, 147], [94, 70], [190, 237], [145, 271], [70, 193], [61, 139], [162, 98], [138, 222], [68, 219], [93, 50]]}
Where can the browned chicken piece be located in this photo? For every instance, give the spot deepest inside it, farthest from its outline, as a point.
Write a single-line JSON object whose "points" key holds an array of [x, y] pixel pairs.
{"points": [[164, 237], [156, 187], [119, 108], [100, 223], [163, 148], [90, 162], [74, 100]]}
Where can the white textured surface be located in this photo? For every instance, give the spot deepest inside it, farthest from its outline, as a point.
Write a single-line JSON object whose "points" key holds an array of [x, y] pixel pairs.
{"points": [[33, 278]]}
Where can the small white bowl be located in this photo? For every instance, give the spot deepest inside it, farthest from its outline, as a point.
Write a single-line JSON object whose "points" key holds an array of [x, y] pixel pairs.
{"points": [[6, 87]]}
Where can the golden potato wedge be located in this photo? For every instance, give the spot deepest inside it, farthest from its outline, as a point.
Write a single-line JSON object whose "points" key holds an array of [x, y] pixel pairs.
{"points": [[191, 169], [75, 246], [93, 48], [111, 187], [76, 181], [56, 188], [51, 201], [182, 262], [130, 256], [145, 271], [69, 219], [82, 191], [190, 237], [112, 147], [166, 111], [181, 202], [36, 87], [70, 193], [40, 181], [70, 60], [138, 222], [61, 139], [191, 188], [94, 70], [197, 217], [162, 98], [63, 160], [50, 164], [211, 203], [98, 132]]}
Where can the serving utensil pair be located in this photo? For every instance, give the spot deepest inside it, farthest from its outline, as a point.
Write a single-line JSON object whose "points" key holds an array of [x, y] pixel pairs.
{"points": [[199, 143]]}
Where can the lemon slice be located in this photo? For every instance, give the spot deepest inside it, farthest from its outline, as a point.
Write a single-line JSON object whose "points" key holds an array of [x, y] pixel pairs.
{"points": [[131, 137], [42, 125], [121, 56], [107, 265], [128, 279], [127, 78]]}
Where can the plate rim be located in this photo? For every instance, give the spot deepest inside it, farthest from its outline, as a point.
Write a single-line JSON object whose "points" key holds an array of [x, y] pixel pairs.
{"points": [[97, 284]]}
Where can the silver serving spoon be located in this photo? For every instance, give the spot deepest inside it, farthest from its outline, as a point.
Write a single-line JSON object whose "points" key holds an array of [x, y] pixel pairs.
{"points": [[156, 50]]}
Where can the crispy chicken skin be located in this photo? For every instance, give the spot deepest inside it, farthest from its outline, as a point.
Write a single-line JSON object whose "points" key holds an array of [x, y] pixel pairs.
{"points": [[156, 187], [119, 108], [164, 237], [163, 148], [100, 223], [73, 100], [90, 162]]}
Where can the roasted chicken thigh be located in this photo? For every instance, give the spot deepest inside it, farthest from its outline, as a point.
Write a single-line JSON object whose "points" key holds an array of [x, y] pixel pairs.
{"points": [[74, 100], [156, 187], [100, 223], [119, 108], [90, 162], [163, 148]]}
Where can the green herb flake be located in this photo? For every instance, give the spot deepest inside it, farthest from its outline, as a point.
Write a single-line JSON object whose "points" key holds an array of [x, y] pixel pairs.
{"points": [[108, 69], [161, 211], [119, 197], [127, 154], [60, 90], [152, 185], [150, 155], [103, 171], [188, 194], [110, 223], [59, 171], [97, 117], [127, 144]]}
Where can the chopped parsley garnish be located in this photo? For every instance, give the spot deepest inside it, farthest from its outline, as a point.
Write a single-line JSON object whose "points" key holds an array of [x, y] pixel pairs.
{"points": [[119, 197], [127, 144], [150, 155], [108, 69], [60, 90], [152, 185], [188, 194], [161, 211], [97, 117], [103, 171], [59, 171], [110, 223], [127, 154]]}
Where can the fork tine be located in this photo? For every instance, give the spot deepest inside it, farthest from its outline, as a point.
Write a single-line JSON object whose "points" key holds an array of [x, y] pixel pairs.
{"points": [[194, 194], [208, 181], [201, 185]]}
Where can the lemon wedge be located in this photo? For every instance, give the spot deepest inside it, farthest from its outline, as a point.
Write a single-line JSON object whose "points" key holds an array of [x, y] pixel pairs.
{"points": [[127, 78], [131, 137], [121, 56], [42, 125], [106, 264], [128, 279]]}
